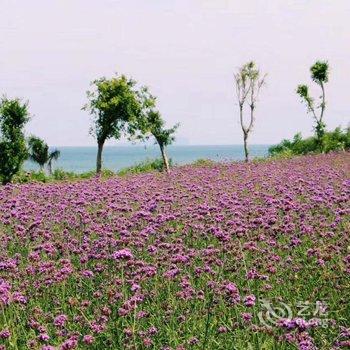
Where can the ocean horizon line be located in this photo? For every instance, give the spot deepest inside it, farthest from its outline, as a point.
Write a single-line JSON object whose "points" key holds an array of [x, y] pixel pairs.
{"points": [[173, 145]]}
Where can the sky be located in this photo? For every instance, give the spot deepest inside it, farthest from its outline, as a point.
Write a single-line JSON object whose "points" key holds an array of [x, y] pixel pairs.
{"points": [[186, 51]]}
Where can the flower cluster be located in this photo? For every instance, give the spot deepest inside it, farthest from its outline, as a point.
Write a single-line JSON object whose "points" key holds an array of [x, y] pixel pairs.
{"points": [[178, 261]]}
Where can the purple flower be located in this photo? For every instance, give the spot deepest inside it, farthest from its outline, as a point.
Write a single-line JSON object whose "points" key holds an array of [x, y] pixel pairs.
{"points": [[247, 317], [123, 254], [232, 292], [60, 320], [69, 344], [5, 295], [44, 337], [19, 298], [88, 339], [5, 333], [87, 273], [249, 300]]}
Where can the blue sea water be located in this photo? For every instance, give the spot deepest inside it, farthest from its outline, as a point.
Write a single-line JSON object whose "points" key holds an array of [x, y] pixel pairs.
{"points": [[81, 159]]}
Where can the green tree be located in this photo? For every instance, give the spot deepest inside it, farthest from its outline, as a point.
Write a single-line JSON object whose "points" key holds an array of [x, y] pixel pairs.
{"points": [[13, 151], [38, 151], [163, 136], [150, 123], [114, 105], [248, 83], [319, 74]]}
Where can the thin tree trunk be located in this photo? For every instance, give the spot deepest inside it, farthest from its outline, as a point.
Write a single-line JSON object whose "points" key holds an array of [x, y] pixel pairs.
{"points": [[245, 133], [241, 116], [323, 104], [99, 157], [165, 158], [321, 127], [49, 166], [246, 150]]}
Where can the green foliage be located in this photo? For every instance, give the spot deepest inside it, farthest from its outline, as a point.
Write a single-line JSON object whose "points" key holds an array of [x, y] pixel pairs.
{"points": [[246, 77], [337, 140], [150, 122], [319, 74], [39, 153], [146, 166], [104, 174], [30, 176], [62, 175], [13, 151], [303, 92], [39, 176], [54, 155], [113, 103], [149, 165], [203, 162], [163, 136], [58, 175], [38, 150], [331, 141]]}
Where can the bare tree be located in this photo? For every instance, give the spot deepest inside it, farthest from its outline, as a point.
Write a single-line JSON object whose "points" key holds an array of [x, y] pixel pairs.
{"points": [[248, 84]]}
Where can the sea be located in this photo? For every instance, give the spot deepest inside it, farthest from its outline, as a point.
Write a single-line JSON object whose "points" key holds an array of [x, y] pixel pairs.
{"points": [[82, 159]]}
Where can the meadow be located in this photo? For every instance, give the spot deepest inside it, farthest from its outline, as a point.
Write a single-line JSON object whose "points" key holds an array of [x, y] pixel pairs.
{"points": [[213, 256]]}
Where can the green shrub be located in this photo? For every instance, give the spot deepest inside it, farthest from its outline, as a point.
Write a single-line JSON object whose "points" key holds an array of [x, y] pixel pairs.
{"points": [[39, 176], [146, 166], [203, 162], [21, 177], [57, 175], [32, 176], [337, 140], [60, 174], [88, 174], [105, 174], [332, 141]]}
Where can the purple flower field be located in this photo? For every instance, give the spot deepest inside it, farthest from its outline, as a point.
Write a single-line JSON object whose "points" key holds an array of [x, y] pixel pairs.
{"points": [[231, 256]]}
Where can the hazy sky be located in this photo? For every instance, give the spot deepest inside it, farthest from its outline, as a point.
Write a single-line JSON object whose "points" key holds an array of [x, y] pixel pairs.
{"points": [[185, 50]]}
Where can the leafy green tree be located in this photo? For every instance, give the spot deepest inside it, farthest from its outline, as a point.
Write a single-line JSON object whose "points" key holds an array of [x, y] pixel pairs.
{"points": [[114, 105], [13, 151], [319, 74], [248, 82], [38, 151], [150, 123], [163, 136]]}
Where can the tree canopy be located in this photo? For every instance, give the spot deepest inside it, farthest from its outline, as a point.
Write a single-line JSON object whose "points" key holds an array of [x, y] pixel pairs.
{"points": [[319, 74], [38, 150], [114, 105], [13, 151]]}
